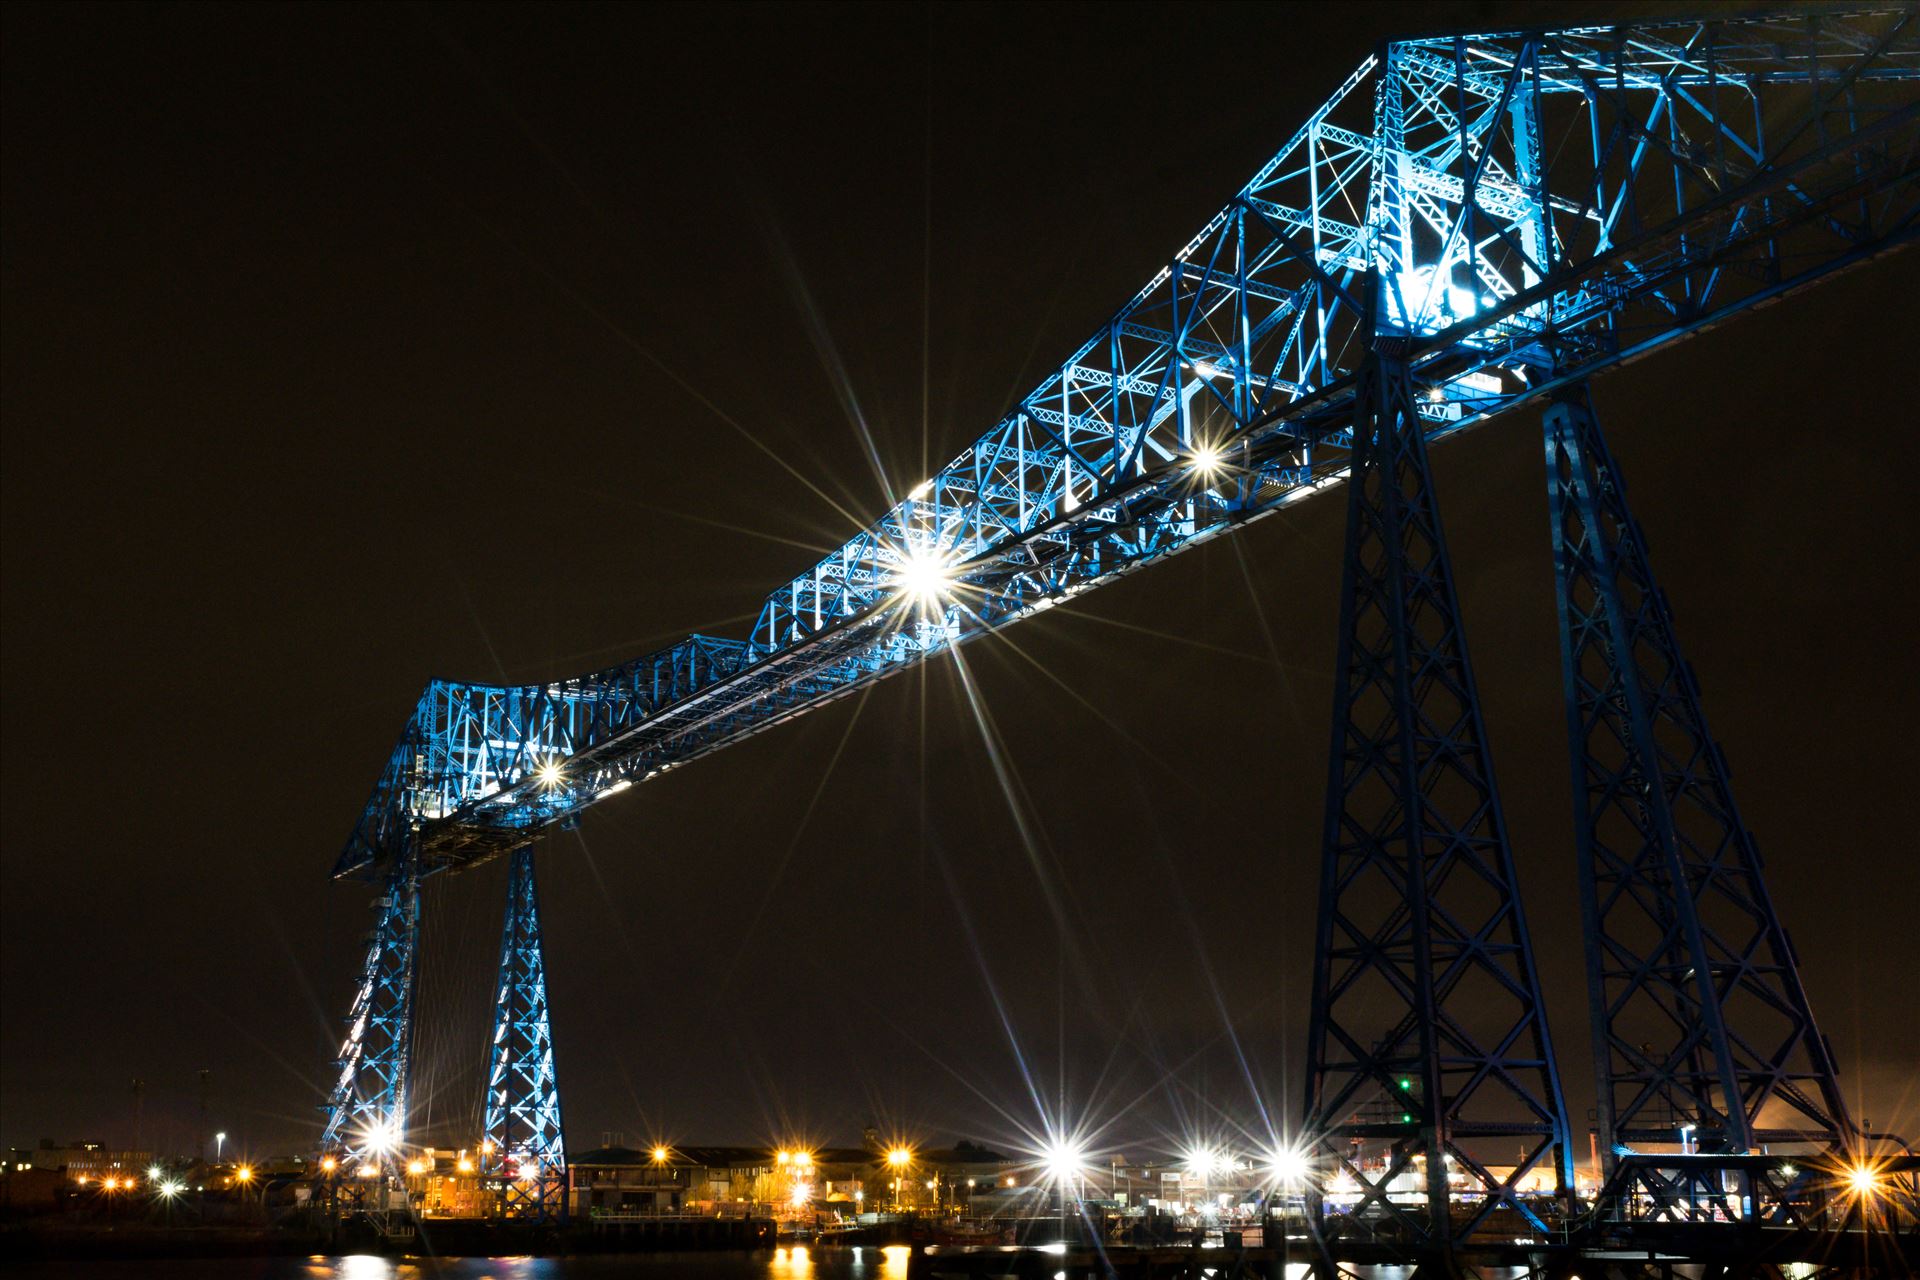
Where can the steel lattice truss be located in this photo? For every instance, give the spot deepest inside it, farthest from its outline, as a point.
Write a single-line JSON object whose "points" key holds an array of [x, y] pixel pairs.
{"points": [[525, 1146], [1468, 225], [1699, 1018], [1543, 205], [1428, 1032], [367, 1105]]}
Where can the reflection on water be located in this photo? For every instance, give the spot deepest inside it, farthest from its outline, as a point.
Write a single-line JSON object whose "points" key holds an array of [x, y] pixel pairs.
{"points": [[797, 1262], [889, 1263]]}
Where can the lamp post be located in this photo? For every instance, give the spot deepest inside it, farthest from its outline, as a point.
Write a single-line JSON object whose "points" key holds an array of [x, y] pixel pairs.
{"points": [[901, 1159], [244, 1176]]}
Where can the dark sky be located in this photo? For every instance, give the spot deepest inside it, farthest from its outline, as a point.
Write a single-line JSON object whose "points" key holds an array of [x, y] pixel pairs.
{"points": [[346, 346]]}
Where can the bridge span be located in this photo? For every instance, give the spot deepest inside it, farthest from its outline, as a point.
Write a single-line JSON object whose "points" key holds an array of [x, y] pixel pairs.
{"points": [[1468, 225]]}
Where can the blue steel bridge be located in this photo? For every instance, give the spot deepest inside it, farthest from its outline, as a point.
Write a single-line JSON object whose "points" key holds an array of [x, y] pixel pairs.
{"points": [[1467, 225]]}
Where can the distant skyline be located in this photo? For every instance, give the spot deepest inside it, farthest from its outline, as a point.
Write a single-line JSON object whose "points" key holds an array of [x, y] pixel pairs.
{"points": [[349, 347]]}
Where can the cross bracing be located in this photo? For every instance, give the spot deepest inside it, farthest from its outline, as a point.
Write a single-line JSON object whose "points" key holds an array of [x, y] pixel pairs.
{"points": [[1628, 185], [1470, 224]]}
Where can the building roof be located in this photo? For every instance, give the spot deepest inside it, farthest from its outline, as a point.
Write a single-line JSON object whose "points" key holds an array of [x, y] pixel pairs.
{"points": [[703, 1157]]}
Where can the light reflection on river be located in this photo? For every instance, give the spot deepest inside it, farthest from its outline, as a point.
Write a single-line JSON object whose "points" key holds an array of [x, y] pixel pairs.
{"points": [[795, 1263], [798, 1262]]}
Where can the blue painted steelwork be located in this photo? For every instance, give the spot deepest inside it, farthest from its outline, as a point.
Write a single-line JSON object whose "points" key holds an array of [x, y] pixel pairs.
{"points": [[525, 1146], [1571, 199], [367, 1105], [1699, 1016], [1561, 201], [1428, 1058]]}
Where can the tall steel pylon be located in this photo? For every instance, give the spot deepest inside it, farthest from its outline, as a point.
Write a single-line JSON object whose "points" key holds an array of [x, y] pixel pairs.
{"points": [[525, 1147], [367, 1106], [1428, 1035], [1699, 1017]]}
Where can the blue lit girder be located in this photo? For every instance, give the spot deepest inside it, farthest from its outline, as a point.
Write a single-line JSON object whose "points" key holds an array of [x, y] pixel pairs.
{"points": [[525, 1147], [1542, 205], [1536, 207], [367, 1106]]}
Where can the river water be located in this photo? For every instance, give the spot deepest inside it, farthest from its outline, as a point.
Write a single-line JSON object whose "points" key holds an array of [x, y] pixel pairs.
{"points": [[800, 1262], [796, 1263]]}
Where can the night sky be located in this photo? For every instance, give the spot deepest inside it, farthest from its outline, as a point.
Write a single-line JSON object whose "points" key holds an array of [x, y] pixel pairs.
{"points": [[346, 347]]}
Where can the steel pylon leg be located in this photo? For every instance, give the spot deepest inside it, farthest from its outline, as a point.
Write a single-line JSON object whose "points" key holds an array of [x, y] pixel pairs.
{"points": [[1428, 1046], [367, 1106], [525, 1147], [1699, 1016]]}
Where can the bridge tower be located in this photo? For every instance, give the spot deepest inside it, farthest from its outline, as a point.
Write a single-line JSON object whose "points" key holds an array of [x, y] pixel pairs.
{"points": [[1428, 1035], [367, 1106], [1702, 1033], [525, 1148]]}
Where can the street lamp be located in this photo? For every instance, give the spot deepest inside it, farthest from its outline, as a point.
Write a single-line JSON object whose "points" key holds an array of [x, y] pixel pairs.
{"points": [[1063, 1160], [900, 1158], [244, 1176], [1289, 1164], [219, 1141]]}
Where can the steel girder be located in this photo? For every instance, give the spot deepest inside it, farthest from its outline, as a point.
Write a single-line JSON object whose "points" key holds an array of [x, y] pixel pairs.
{"points": [[525, 1147], [1539, 206], [1428, 1036], [1649, 1195], [367, 1105], [1567, 199], [1699, 1016]]}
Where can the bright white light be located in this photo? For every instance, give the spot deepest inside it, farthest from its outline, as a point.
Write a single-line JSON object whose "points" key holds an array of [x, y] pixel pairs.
{"points": [[172, 1189], [1434, 304], [550, 774], [1064, 1159], [1289, 1164], [155, 1173], [1206, 459], [921, 490], [616, 788], [923, 576], [1205, 370], [1203, 1160], [383, 1136]]}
